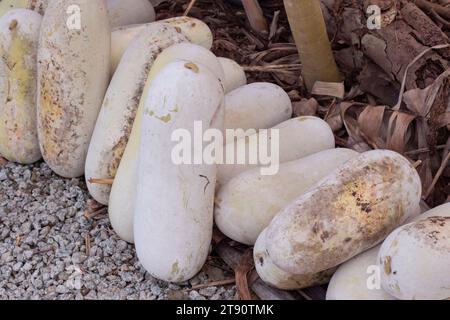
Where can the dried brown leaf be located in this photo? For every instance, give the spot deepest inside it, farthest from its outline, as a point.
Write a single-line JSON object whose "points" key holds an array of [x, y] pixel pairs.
{"points": [[375, 127], [370, 121], [421, 101], [243, 269], [305, 107], [331, 89], [399, 123], [333, 117]]}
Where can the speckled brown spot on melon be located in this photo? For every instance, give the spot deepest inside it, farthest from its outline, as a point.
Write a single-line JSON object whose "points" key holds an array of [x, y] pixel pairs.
{"points": [[387, 265], [116, 154], [175, 268], [13, 24], [192, 66]]}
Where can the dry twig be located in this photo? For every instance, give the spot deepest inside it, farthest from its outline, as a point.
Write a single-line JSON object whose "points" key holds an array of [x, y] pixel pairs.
{"points": [[189, 8], [101, 181], [437, 176], [213, 284]]}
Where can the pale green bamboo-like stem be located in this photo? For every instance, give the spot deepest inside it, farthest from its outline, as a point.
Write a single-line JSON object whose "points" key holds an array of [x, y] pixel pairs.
{"points": [[310, 35]]}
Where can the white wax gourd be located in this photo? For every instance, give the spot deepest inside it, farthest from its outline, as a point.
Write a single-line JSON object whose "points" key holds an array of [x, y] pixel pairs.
{"points": [[116, 117], [259, 105], [73, 75], [19, 36], [123, 192], [174, 205]]}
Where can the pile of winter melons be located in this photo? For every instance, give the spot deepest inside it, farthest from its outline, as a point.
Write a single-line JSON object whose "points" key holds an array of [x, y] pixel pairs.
{"points": [[105, 105]]}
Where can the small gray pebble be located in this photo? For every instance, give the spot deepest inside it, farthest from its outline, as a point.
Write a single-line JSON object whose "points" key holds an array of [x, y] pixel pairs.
{"points": [[43, 251]]}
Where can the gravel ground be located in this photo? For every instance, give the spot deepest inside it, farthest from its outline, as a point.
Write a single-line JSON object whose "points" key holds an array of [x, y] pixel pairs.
{"points": [[49, 249]]}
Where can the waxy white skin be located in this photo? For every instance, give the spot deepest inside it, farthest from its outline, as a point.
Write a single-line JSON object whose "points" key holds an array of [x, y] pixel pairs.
{"points": [[174, 204], [128, 12], [19, 35], [123, 192], [350, 280], [73, 75], [271, 274], [299, 137], [351, 210], [195, 30], [120, 105], [258, 105], [246, 205], [415, 258], [234, 74]]}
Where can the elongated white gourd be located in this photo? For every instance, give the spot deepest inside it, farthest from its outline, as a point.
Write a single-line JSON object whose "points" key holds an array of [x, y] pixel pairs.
{"points": [[174, 205], [73, 74], [120, 105], [360, 277], [123, 192], [351, 210], [357, 279], [234, 74], [259, 105], [19, 35], [271, 274], [247, 203], [414, 259], [195, 30], [298, 137], [128, 12]]}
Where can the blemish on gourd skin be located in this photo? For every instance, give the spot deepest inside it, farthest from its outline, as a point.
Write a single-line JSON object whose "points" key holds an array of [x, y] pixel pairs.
{"points": [[305, 118], [261, 260], [13, 24], [57, 120], [116, 154], [192, 66], [149, 113], [432, 232], [387, 265], [175, 268], [208, 182], [166, 119]]}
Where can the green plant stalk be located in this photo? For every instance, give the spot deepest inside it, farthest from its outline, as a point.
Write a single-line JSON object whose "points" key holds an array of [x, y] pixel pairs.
{"points": [[310, 35]]}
